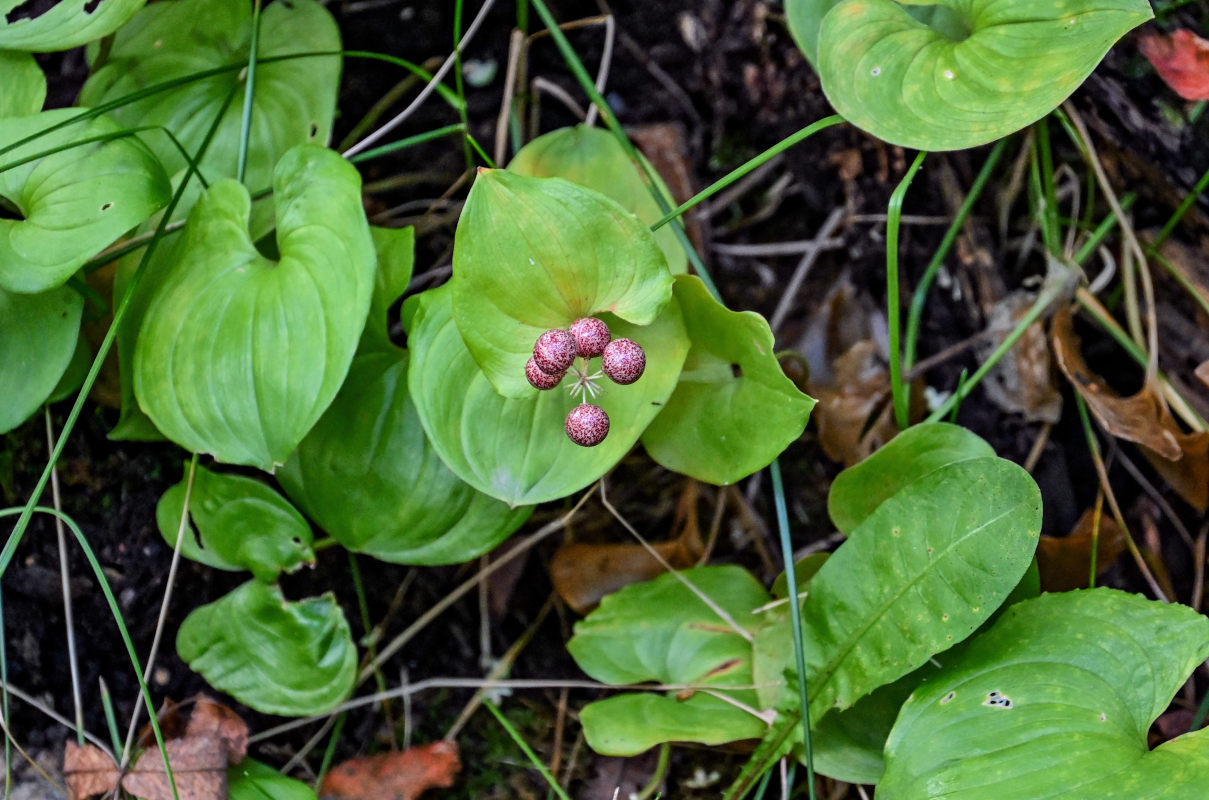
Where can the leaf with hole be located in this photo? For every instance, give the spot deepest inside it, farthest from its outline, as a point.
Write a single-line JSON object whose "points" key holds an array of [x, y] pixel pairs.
{"points": [[533, 254], [1066, 684], [273, 655], [72, 203], [515, 449], [240, 355], [912, 455], [733, 410], [64, 25], [593, 157], [368, 475], [955, 73], [662, 631], [240, 524], [24, 85], [293, 101], [37, 339]]}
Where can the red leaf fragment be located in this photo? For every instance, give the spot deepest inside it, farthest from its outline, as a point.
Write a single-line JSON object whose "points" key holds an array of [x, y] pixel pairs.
{"points": [[1182, 61], [394, 776]]}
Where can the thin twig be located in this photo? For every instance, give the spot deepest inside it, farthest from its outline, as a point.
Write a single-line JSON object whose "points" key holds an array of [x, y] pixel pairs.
{"points": [[65, 581], [789, 297], [606, 59]]}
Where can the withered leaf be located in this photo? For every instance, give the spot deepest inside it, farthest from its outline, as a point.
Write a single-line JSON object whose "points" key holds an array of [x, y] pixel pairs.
{"points": [[88, 771], [1065, 561], [211, 719], [199, 768], [1182, 61], [394, 776]]}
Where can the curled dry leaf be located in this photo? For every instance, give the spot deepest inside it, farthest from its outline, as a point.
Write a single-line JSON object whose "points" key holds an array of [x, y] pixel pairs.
{"points": [[393, 776], [1143, 418], [1182, 61], [1065, 561], [88, 771], [211, 719], [584, 573], [199, 768]]}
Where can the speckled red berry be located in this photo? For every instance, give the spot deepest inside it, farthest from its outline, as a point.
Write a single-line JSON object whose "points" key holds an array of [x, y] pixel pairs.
{"points": [[587, 425], [623, 361], [554, 351], [591, 336], [539, 378]]}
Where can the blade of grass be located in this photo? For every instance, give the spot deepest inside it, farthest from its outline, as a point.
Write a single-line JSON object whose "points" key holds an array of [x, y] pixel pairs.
{"points": [[524, 748], [249, 94], [894, 215]]}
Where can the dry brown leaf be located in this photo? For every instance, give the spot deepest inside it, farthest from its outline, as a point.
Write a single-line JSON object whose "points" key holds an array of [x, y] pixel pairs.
{"points": [[199, 768], [1202, 372], [1182, 61], [1181, 458], [211, 719], [854, 414], [88, 771], [1022, 382], [394, 776], [1065, 561], [584, 573]]}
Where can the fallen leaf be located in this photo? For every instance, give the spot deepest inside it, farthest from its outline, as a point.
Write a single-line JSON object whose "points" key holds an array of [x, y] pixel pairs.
{"points": [[88, 771], [199, 768], [1065, 561], [1143, 418], [1202, 372], [393, 776], [1182, 61], [583, 573], [1022, 382], [211, 719]]}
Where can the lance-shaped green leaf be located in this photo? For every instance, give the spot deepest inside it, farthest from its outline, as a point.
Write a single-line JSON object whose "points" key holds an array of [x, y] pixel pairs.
{"points": [[276, 656], [516, 449], [67, 24], [1066, 684], [925, 569], [239, 355], [73, 203], [24, 85], [38, 335], [663, 631], [368, 475], [252, 780], [956, 73], [538, 253], [733, 410], [293, 99], [910, 456], [593, 157], [240, 524]]}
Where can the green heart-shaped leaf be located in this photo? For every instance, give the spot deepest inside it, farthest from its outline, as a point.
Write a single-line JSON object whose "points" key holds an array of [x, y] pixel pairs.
{"points": [[926, 568], [662, 631], [733, 410], [238, 355], [538, 253], [37, 339], [73, 203], [67, 24], [396, 252], [913, 454], [593, 157], [251, 780], [24, 85], [516, 449], [279, 657], [957, 73], [293, 101], [241, 524], [1064, 685], [367, 474]]}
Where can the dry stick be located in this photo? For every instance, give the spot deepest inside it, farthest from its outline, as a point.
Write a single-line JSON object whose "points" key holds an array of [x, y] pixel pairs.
{"points": [[428, 616], [310, 745], [128, 747], [499, 669], [551, 88], [38, 705], [515, 43], [560, 725], [606, 59], [796, 248], [428, 89], [715, 527], [8, 734], [65, 581], [799, 274], [702, 596], [1034, 454], [573, 759], [1129, 273], [726, 197], [1198, 581]]}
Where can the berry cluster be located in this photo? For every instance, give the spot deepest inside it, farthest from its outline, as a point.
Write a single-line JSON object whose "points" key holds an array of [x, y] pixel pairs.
{"points": [[554, 353]]}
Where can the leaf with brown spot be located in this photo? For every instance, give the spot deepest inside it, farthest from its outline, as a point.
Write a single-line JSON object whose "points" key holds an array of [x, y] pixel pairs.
{"points": [[584, 573], [1143, 418], [199, 768], [211, 719], [1182, 61], [394, 776], [88, 771], [1065, 561]]}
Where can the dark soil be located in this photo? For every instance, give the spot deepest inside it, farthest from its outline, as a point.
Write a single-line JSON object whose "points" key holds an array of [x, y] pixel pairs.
{"points": [[730, 76]]}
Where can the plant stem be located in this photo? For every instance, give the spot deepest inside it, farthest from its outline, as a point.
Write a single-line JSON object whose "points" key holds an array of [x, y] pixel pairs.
{"points": [[894, 215]]}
